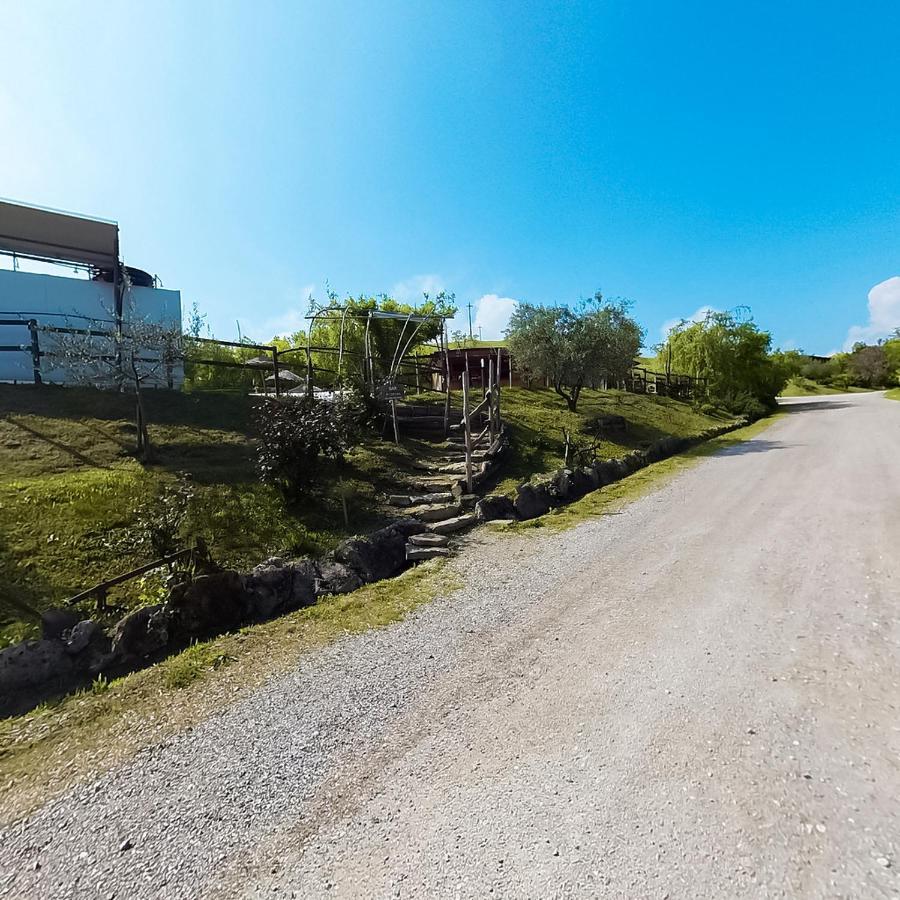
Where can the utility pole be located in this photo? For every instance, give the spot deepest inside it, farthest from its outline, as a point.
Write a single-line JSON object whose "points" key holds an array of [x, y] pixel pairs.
{"points": [[471, 336]]}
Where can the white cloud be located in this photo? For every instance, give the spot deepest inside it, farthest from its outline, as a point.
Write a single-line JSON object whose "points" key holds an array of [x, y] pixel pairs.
{"points": [[492, 316], [287, 322], [698, 316], [884, 313], [411, 289]]}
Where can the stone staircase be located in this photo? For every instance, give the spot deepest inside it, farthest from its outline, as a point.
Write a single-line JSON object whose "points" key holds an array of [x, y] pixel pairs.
{"points": [[437, 494], [437, 481]]}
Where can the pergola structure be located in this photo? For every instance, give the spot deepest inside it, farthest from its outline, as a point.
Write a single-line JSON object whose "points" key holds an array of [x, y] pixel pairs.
{"points": [[381, 374]]}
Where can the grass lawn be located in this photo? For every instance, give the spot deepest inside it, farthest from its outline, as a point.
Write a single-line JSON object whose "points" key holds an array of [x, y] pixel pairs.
{"points": [[536, 419], [893, 394], [76, 507], [74, 503], [806, 387]]}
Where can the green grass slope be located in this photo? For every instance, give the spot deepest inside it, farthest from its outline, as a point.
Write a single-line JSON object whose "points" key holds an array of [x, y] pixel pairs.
{"points": [[806, 387], [70, 489], [537, 419]]}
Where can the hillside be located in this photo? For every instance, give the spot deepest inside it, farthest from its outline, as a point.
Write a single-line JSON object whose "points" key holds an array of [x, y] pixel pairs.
{"points": [[806, 387], [77, 508], [537, 420]]}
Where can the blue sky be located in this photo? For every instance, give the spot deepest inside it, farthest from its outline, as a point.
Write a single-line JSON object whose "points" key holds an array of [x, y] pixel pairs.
{"points": [[680, 154]]}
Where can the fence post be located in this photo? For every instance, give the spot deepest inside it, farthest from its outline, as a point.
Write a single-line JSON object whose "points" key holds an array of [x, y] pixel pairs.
{"points": [[492, 394], [467, 430], [396, 423], [35, 351], [275, 371], [499, 379], [444, 343]]}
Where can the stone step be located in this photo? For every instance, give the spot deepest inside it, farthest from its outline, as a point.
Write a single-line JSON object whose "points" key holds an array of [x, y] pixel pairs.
{"points": [[436, 512], [441, 485], [421, 499], [450, 525], [433, 497], [416, 554], [428, 540]]}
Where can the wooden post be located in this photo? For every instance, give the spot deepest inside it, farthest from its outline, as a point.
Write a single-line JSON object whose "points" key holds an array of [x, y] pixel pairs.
{"points": [[499, 359], [418, 383], [35, 351], [275, 371], [467, 430], [492, 396], [444, 342], [396, 424], [369, 365]]}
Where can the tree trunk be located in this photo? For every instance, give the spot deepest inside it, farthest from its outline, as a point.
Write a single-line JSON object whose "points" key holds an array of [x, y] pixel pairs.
{"points": [[143, 435]]}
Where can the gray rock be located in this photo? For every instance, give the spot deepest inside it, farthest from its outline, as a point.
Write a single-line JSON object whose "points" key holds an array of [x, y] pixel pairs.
{"points": [[407, 526], [399, 500], [271, 590], [141, 633], [55, 621], [378, 556], [590, 478], [417, 554], [435, 497], [79, 638], [336, 578], [435, 512], [32, 663], [494, 506], [531, 501], [428, 540], [208, 604], [450, 525]]}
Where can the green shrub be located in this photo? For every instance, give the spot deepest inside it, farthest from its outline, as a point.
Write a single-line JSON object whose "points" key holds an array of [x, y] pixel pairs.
{"points": [[294, 436]]}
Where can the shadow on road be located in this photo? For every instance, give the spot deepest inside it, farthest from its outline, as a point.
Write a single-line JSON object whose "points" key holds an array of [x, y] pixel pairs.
{"points": [[811, 405], [755, 446]]}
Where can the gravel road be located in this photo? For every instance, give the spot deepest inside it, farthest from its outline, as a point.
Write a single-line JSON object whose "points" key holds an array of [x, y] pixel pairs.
{"points": [[697, 697]]}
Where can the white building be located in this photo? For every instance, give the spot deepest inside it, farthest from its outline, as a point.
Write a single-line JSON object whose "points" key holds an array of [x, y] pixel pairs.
{"points": [[30, 302]]}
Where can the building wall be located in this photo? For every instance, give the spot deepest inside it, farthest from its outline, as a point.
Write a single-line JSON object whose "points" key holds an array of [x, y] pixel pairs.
{"points": [[72, 302]]}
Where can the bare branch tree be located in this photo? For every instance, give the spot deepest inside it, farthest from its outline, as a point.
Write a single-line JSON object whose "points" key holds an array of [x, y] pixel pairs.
{"points": [[140, 353]]}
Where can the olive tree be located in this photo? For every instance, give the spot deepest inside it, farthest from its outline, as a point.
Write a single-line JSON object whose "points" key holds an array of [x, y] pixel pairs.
{"points": [[574, 348]]}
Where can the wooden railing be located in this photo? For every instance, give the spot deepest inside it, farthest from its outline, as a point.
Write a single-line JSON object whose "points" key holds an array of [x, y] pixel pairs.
{"points": [[489, 408], [99, 591]]}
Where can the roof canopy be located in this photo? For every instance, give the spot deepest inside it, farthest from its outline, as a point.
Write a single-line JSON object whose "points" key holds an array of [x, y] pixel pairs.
{"points": [[33, 231]]}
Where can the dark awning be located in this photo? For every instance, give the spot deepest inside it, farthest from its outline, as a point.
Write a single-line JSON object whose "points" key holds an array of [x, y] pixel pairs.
{"points": [[33, 231]]}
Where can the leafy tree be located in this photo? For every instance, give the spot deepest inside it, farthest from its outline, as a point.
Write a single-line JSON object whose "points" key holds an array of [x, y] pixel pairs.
{"points": [[732, 354], [868, 365], [892, 357], [573, 348]]}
